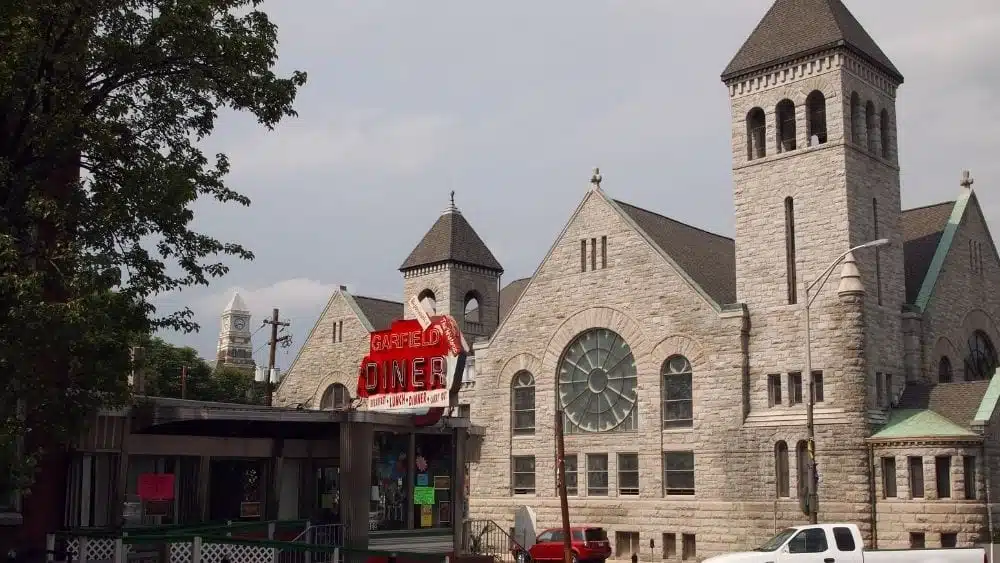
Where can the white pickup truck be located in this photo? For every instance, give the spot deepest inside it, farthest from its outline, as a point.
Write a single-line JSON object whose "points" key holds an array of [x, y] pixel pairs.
{"points": [[841, 543]]}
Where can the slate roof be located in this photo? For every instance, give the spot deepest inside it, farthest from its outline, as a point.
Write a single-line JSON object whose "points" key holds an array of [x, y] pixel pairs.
{"points": [[509, 295], [796, 28], [957, 402], [379, 312], [922, 230], [451, 239], [709, 259]]}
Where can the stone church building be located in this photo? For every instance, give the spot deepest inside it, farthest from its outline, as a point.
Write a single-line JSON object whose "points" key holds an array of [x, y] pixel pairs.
{"points": [[679, 355]]}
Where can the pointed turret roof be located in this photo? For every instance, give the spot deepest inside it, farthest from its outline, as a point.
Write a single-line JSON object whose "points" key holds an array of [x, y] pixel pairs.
{"points": [[451, 239], [797, 28], [236, 304]]}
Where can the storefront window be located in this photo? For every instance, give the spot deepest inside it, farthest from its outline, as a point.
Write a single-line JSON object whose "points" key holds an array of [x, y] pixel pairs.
{"points": [[390, 466], [328, 489], [432, 484]]}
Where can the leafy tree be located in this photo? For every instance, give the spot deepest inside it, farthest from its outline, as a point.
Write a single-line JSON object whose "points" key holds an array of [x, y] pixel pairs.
{"points": [[103, 104], [163, 364]]}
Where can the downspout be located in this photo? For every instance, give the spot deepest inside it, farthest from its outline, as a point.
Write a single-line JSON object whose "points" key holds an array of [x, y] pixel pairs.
{"points": [[871, 495], [989, 512]]}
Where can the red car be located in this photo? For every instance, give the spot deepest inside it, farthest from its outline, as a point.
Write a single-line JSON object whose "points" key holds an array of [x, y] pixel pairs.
{"points": [[588, 544]]}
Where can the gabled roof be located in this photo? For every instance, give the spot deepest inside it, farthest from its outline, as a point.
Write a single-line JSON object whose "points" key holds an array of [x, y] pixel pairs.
{"points": [[451, 239], [923, 228], [510, 293], [709, 259], [379, 312], [797, 28]]}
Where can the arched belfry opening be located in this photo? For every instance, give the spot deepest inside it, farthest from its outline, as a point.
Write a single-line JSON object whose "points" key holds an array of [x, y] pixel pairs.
{"points": [[816, 118], [428, 301], [870, 129], [883, 123], [472, 308], [784, 114], [756, 133]]}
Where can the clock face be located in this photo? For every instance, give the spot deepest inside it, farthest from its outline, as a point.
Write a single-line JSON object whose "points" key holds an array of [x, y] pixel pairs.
{"points": [[597, 382], [239, 324]]}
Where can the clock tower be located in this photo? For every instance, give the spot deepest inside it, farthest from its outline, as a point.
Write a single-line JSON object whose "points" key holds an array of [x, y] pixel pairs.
{"points": [[235, 349]]}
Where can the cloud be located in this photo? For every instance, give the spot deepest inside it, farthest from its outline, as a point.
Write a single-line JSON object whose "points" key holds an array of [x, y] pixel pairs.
{"points": [[358, 140]]}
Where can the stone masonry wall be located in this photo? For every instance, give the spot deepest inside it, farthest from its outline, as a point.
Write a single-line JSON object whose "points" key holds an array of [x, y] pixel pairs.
{"points": [[965, 298], [930, 514], [451, 284], [322, 362], [735, 504]]}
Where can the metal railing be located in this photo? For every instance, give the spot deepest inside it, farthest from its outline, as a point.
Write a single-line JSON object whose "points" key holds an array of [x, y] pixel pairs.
{"points": [[487, 538]]}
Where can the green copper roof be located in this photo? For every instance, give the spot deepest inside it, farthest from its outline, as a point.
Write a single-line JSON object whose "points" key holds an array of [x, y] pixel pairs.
{"points": [[917, 423], [930, 280], [989, 403]]}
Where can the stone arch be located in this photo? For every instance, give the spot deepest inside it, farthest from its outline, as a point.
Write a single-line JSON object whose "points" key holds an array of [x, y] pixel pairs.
{"points": [[428, 299], [943, 348], [978, 319], [520, 362], [680, 345], [785, 126], [756, 133], [816, 118], [596, 317], [472, 305]]}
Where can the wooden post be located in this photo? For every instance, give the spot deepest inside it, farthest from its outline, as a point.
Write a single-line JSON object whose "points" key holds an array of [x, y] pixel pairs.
{"points": [[563, 502]]}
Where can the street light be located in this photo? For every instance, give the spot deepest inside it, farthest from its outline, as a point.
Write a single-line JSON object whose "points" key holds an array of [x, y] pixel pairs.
{"points": [[813, 499]]}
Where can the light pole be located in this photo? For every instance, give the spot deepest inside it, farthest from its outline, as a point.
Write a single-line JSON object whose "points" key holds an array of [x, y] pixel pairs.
{"points": [[813, 499]]}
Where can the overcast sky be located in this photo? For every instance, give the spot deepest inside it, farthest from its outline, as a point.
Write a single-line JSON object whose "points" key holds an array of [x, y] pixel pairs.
{"points": [[511, 104]]}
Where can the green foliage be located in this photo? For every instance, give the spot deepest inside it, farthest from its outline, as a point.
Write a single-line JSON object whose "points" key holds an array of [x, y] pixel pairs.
{"points": [[164, 363], [102, 106]]}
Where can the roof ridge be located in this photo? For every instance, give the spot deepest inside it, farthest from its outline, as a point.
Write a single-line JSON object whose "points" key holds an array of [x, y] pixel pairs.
{"points": [[706, 231], [384, 300], [949, 203]]}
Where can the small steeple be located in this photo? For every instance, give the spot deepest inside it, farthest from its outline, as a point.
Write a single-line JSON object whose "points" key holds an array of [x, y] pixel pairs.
{"points": [[451, 239]]}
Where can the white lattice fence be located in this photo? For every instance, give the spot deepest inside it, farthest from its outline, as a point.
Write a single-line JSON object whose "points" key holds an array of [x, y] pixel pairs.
{"points": [[98, 549], [234, 553]]}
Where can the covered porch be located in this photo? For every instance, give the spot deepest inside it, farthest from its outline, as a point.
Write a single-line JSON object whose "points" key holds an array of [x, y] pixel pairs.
{"points": [[383, 482]]}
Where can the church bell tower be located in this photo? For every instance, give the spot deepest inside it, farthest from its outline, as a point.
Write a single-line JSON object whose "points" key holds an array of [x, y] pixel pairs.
{"points": [[235, 349]]}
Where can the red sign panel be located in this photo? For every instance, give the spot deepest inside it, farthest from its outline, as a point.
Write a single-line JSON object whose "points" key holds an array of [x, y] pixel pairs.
{"points": [[413, 369], [156, 486]]}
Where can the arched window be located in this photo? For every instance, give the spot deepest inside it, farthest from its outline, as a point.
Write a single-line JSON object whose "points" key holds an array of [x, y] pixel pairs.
{"points": [[781, 469], [678, 405], [756, 133], [785, 121], [856, 123], [522, 404], [802, 463], [883, 123], [982, 359], [944, 370], [816, 118], [472, 308], [790, 278], [335, 397], [428, 301], [870, 129]]}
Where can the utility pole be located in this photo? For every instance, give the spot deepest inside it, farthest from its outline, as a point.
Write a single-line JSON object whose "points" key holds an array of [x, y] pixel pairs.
{"points": [[275, 323], [563, 502]]}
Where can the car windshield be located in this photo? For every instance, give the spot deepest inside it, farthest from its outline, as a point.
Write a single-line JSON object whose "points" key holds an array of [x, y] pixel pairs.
{"points": [[777, 541], [596, 534]]}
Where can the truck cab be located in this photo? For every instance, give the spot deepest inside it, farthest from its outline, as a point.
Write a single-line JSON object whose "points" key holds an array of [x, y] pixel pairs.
{"points": [[840, 543]]}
